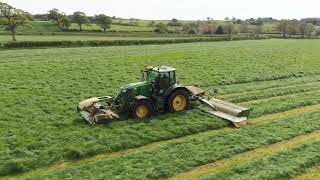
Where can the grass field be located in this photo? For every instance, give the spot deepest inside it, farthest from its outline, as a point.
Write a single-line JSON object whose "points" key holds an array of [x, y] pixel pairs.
{"points": [[43, 137]]}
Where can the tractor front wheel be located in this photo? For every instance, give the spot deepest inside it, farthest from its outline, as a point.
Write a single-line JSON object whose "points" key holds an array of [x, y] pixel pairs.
{"points": [[178, 101], [142, 109]]}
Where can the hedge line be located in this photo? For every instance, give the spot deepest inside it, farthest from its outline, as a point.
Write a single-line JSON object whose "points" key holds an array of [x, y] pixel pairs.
{"points": [[94, 43]]}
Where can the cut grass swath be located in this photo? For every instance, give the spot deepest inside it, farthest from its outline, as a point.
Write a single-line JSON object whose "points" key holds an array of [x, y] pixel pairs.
{"points": [[239, 159], [170, 159], [283, 165], [265, 119]]}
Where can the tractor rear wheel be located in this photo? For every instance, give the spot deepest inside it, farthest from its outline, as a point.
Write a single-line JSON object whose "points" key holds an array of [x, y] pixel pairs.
{"points": [[178, 101], [142, 109]]}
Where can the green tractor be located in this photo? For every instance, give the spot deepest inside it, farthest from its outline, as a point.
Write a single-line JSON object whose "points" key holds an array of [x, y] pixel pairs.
{"points": [[157, 92]]}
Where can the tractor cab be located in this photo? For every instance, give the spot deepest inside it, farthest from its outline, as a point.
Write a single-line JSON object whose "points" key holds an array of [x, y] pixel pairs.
{"points": [[161, 77]]}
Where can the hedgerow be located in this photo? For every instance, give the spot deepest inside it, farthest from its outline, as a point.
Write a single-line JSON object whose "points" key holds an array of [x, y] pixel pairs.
{"points": [[94, 43]]}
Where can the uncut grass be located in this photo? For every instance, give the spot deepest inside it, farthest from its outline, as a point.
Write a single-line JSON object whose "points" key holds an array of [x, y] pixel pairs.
{"points": [[282, 91], [41, 87], [170, 159], [282, 103], [283, 165]]}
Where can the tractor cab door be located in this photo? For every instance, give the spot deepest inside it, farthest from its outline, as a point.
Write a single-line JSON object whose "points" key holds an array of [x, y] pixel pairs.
{"points": [[164, 80]]}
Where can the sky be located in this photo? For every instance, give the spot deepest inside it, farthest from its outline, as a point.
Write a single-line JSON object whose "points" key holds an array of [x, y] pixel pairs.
{"points": [[180, 9]]}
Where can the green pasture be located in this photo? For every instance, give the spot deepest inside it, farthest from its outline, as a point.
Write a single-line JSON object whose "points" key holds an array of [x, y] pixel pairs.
{"points": [[40, 88]]}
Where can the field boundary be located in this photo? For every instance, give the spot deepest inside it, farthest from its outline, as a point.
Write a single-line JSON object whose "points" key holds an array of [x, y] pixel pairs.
{"points": [[66, 164], [219, 166], [97, 43]]}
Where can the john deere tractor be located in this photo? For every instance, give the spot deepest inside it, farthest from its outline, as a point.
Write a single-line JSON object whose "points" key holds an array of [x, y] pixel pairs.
{"points": [[157, 92]]}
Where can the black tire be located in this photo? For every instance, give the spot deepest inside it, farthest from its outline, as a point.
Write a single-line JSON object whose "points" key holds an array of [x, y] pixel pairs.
{"points": [[147, 104], [171, 98]]}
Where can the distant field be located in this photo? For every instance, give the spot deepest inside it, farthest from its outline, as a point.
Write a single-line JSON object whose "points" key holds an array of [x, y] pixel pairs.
{"points": [[115, 27], [39, 26], [39, 125]]}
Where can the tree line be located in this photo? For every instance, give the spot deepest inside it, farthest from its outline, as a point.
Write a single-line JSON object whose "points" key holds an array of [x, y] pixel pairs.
{"points": [[11, 18], [231, 26], [79, 18]]}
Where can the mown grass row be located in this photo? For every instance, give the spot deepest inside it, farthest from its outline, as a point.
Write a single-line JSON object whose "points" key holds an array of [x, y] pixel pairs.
{"points": [[311, 174], [170, 159], [282, 103], [283, 165], [254, 86], [282, 91], [128, 134]]}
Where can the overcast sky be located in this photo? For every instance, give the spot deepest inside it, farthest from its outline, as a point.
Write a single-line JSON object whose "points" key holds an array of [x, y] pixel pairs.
{"points": [[181, 9]]}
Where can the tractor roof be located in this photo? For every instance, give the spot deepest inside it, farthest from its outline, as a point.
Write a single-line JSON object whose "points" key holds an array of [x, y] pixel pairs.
{"points": [[163, 69]]}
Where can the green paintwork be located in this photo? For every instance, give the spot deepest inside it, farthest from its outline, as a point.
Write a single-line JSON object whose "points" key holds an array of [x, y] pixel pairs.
{"points": [[152, 85], [143, 88]]}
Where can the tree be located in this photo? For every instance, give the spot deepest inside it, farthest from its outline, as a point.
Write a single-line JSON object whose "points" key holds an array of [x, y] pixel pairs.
{"points": [[11, 18], [80, 18], [244, 28], [234, 20], [152, 23], [310, 28], [220, 30], [65, 22], [229, 28], [54, 15], [103, 21], [258, 30], [293, 27], [282, 27], [302, 28], [174, 22], [190, 28], [161, 28]]}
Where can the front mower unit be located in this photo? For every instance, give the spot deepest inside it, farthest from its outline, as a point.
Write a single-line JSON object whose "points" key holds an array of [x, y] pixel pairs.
{"points": [[97, 110]]}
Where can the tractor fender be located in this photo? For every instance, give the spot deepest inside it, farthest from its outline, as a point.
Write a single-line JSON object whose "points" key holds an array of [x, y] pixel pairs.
{"points": [[174, 88], [140, 97]]}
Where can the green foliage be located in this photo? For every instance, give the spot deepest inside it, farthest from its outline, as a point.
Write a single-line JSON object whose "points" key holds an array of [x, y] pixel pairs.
{"points": [[65, 22], [174, 22], [54, 15], [93, 43], [161, 28], [80, 18], [282, 165], [103, 21], [11, 18]]}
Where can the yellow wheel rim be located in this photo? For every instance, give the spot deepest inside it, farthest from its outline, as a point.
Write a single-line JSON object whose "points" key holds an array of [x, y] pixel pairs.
{"points": [[142, 111], [179, 103]]}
